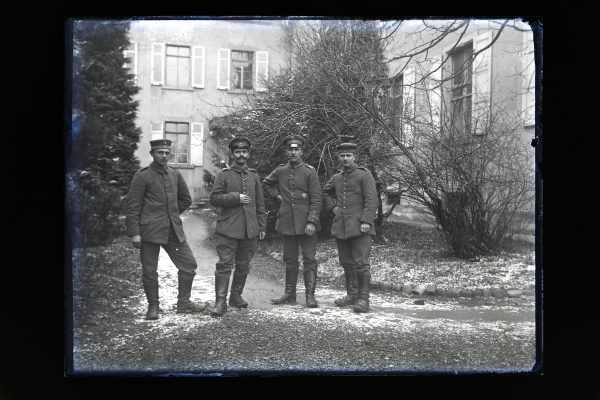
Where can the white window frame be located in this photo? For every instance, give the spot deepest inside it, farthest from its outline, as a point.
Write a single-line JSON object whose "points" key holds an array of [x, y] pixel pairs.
{"points": [[154, 65], [156, 133], [528, 80], [198, 56], [259, 85], [197, 144], [134, 52], [223, 69]]}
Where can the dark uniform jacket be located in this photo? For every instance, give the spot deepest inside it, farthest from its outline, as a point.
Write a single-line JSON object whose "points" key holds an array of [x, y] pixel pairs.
{"points": [[355, 195], [234, 219], [155, 199], [301, 197]]}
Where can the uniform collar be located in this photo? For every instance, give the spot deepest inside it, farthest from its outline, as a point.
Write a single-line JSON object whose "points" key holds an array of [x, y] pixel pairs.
{"points": [[301, 163], [236, 168], [352, 168], [158, 168]]}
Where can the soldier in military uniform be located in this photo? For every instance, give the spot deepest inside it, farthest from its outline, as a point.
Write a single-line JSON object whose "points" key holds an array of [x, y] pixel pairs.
{"points": [[296, 185], [352, 196], [241, 220], [156, 197]]}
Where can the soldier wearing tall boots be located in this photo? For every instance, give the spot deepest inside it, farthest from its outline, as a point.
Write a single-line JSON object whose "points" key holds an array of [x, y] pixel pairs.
{"points": [[241, 220], [352, 196], [296, 186], [156, 197]]}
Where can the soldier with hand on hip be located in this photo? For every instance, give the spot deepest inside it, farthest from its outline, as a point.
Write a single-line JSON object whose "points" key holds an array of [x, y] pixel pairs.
{"points": [[157, 195], [352, 196], [241, 220], [296, 185]]}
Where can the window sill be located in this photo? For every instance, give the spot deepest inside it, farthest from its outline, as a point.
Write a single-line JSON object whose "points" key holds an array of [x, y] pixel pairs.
{"points": [[182, 166], [184, 89], [240, 91]]}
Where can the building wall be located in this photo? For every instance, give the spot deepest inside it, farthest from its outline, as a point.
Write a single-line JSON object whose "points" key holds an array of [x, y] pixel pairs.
{"points": [[195, 105], [509, 68]]}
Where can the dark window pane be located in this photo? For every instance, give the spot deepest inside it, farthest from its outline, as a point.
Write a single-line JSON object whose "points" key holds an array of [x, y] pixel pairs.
{"points": [[183, 128], [182, 158]]}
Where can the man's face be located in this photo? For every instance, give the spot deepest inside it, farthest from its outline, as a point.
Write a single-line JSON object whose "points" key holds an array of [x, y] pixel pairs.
{"points": [[293, 153], [241, 155], [346, 159], [161, 156]]}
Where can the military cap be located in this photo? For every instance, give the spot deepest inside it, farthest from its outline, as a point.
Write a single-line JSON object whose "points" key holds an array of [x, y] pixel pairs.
{"points": [[240, 142], [160, 144], [346, 148], [293, 141]]}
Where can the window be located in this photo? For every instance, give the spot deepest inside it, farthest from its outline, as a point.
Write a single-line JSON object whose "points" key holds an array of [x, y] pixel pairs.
{"points": [[178, 66], [396, 105], [242, 70], [131, 59], [461, 91], [402, 106], [179, 134], [528, 75], [241, 67]]}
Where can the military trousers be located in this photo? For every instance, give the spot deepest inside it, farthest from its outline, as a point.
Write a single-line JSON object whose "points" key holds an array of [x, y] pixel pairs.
{"points": [[354, 253], [180, 254], [309, 250], [238, 252]]}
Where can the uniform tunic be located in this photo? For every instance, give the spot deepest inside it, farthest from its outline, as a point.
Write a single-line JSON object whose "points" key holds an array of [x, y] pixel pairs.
{"points": [[355, 195], [155, 199], [301, 197], [234, 219]]}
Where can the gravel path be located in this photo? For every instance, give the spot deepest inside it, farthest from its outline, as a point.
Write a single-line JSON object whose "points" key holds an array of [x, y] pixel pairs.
{"points": [[445, 335]]}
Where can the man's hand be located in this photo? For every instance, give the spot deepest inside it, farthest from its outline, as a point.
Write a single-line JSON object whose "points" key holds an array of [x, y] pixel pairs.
{"points": [[261, 235], [310, 229], [335, 210], [364, 227], [245, 199], [278, 197], [136, 240]]}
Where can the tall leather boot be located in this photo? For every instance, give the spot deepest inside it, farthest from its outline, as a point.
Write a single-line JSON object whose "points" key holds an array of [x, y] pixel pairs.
{"points": [[351, 288], [364, 284], [237, 287], [310, 283], [184, 305], [289, 295], [221, 288], [151, 290]]}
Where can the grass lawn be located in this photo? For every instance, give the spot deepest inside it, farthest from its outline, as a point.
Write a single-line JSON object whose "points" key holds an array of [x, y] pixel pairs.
{"points": [[414, 255]]}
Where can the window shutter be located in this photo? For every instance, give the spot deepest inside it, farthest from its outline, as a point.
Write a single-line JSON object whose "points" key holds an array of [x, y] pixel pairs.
{"points": [[528, 98], [223, 58], [262, 70], [435, 92], [157, 64], [157, 130], [197, 144], [133, 53], [408, 105], [198, 66], [482, 83]]}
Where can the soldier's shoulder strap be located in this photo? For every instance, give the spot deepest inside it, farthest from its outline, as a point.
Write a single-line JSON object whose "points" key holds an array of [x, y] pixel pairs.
{"points": [[364, 169], [142, 169], [309, 166], [281, 165], [226, 169], [252, 170]]}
